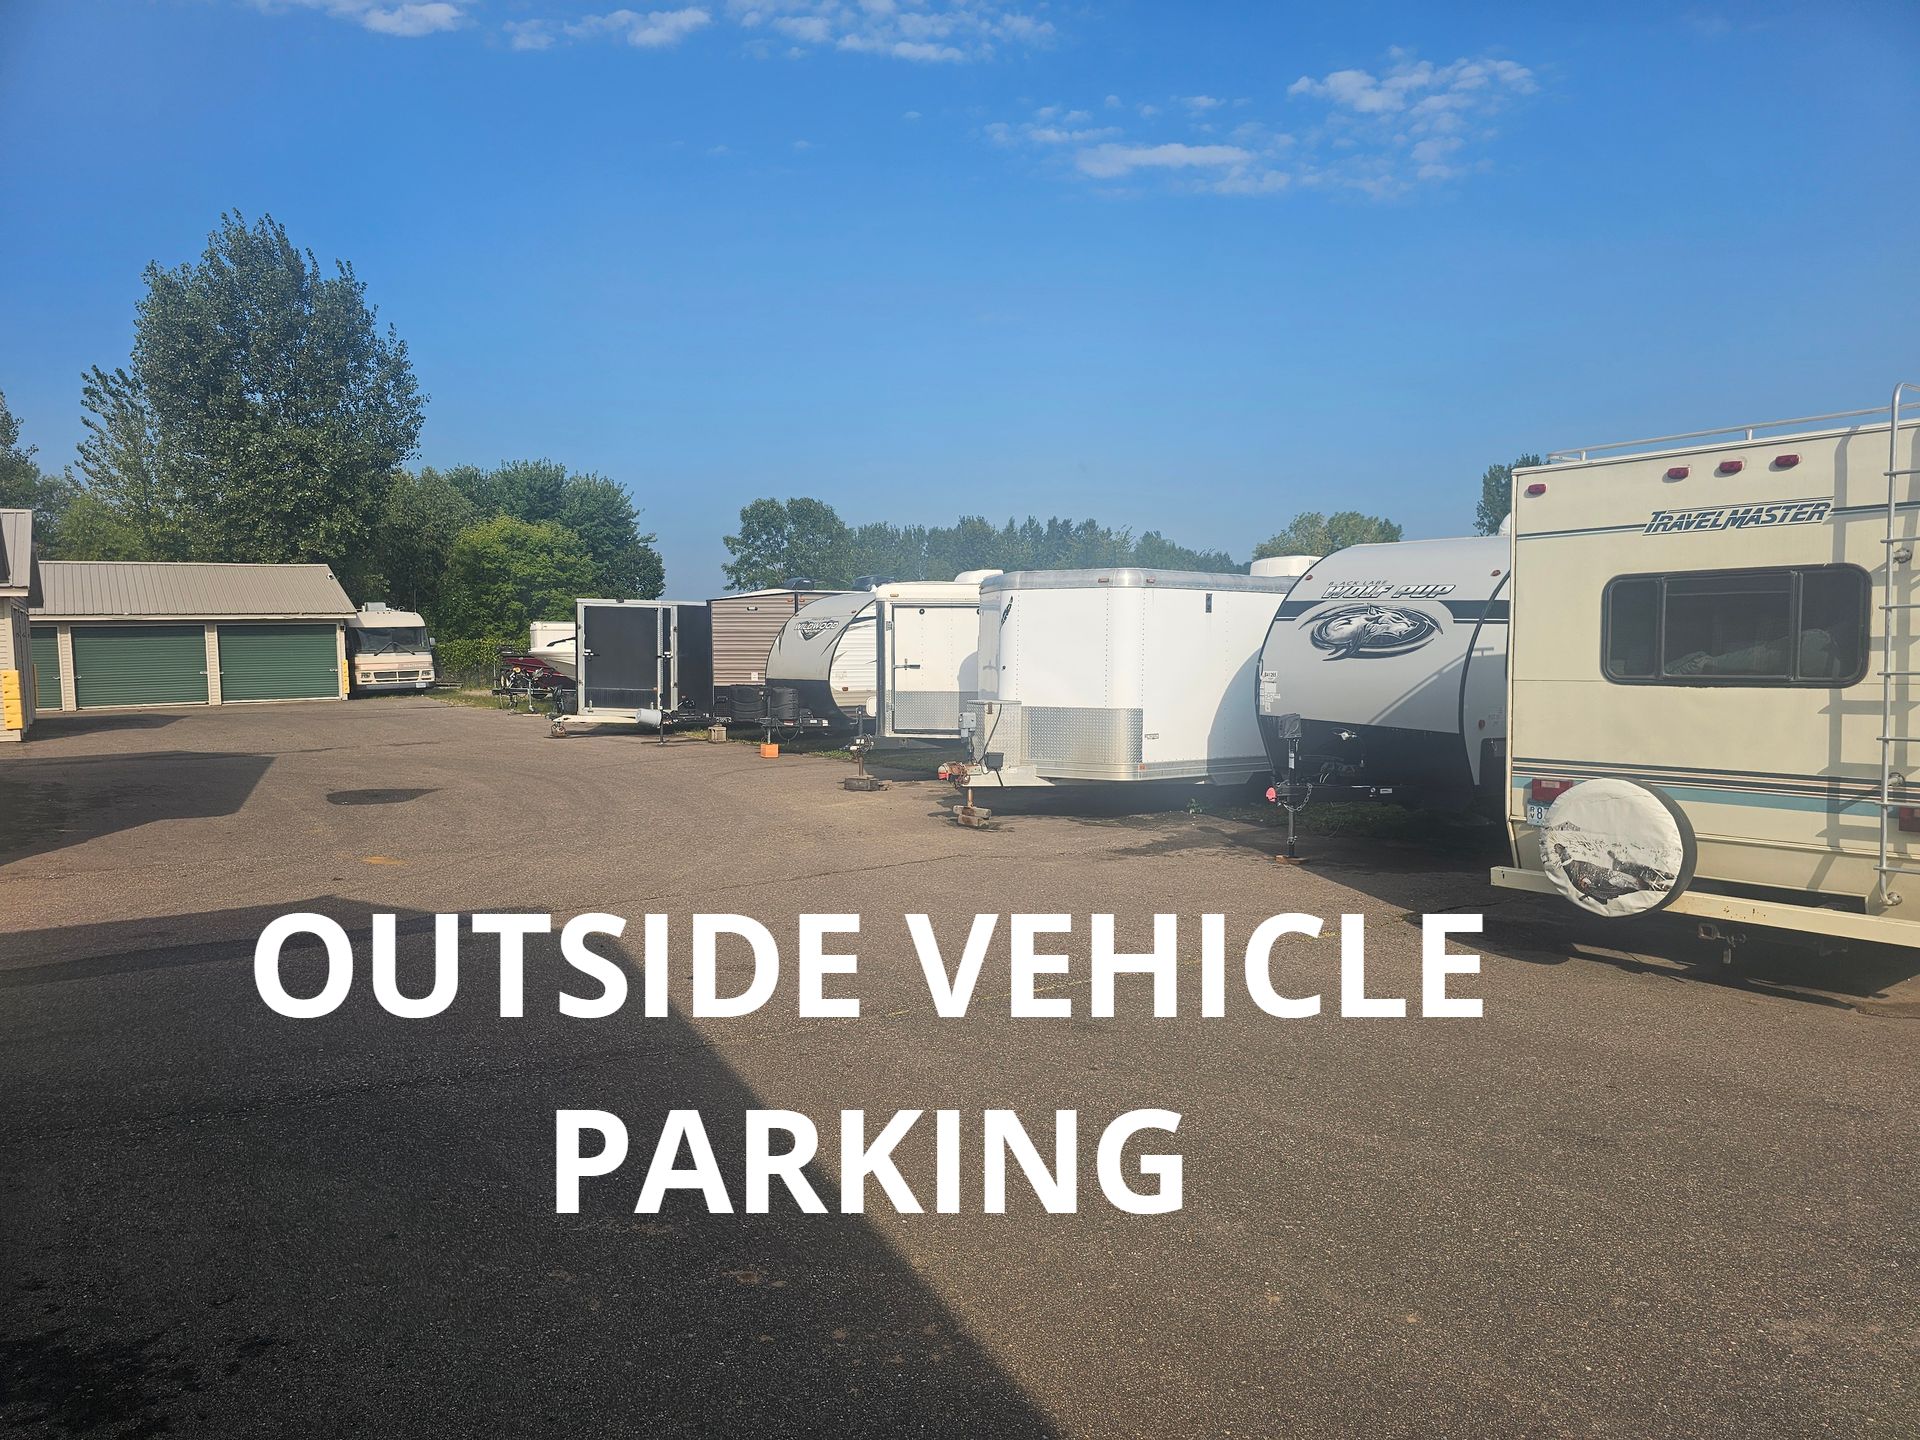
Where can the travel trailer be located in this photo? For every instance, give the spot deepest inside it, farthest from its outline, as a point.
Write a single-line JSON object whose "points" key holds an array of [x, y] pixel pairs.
{"points": [[1712, 698], [744, 628], [646, 662], [926, 666], [388, 650], [1386, 667], [824, 656], [1118, 676]]}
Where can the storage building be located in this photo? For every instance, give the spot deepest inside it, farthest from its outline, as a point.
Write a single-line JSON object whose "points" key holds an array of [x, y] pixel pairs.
{"points": [[18, 592], [118, 633]]}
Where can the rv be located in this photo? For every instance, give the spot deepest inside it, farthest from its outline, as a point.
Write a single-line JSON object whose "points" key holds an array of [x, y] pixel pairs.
{"points": [[744, 628], [645, 662], [820, 671], [1386, 668], [1712, 696], [1118, 676], [388, 650]]}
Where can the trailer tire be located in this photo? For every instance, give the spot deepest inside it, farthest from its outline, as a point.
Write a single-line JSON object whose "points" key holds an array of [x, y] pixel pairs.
{"points": [[1617, 848]]}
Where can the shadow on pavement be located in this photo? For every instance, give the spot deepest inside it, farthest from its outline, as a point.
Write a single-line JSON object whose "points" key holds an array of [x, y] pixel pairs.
{"points": [[49, 724], [48, 803], [222, 1222]]}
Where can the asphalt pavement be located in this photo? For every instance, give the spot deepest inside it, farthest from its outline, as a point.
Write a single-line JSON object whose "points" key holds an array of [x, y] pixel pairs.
{"points": [[1643, 1194]]}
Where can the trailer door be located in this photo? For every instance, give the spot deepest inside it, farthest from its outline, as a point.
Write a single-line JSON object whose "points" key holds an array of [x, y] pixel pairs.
{"points": [[620, 657], [931, 668]]}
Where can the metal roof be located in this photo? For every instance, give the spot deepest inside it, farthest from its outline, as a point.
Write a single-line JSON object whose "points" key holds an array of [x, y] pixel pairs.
{"points": [[188, 590], [16, 550]]}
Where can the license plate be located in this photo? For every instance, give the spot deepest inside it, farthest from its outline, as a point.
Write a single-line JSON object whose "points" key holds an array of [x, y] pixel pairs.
{"points": [[1537, 814]]}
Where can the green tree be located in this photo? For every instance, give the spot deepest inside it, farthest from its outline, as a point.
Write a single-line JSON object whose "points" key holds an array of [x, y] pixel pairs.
{"points": [[94, 530], [598, 510], [503, 574], [784, 540], [25, 486], [424, 514], [626, 564], [1312, 533], [278, 411], [1496, 495], [134, 511]]}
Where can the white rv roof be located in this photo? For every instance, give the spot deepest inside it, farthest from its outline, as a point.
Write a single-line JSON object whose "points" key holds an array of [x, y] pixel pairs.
{"points": [[385, 620], [916, 591], [1129, 578]]}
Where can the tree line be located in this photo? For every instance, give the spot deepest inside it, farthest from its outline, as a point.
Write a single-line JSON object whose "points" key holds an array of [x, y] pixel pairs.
{"points": [[265, 415]]}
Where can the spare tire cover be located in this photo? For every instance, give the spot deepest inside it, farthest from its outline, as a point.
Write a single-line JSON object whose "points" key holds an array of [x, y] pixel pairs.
{"points": [[1617, 848]]}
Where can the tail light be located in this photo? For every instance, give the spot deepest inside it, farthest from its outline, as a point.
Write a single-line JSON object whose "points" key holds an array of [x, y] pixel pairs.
{"points": [[1786, 462], [1545, 792], [946, 772], [1273, 795], [1732, 467], [1910, 818], [1677, 472]]}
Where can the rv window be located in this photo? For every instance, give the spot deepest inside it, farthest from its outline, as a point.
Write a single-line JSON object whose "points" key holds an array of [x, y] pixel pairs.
{"points": [[1803, 626]]}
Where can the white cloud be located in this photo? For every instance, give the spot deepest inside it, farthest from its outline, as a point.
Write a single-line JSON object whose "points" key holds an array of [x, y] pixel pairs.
{"points": [[938, 32], [654, 30], [528, 35], [1413, 123], [1111, 162], [405, 20], [911, 115]]}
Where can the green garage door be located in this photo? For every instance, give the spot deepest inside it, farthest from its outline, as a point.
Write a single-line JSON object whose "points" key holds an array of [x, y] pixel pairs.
{"points": [[139, 665], [46, 668], [279, 662]]}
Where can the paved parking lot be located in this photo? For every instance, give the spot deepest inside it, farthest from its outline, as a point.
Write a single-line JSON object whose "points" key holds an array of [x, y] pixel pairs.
{"points": [[1639, 1196]]}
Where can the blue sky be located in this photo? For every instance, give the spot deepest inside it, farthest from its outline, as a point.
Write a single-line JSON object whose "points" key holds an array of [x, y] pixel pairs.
{"points": [[1186, 267]]}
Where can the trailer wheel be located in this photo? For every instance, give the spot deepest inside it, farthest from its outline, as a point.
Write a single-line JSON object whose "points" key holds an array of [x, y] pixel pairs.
{"points": [[1617, 848]]}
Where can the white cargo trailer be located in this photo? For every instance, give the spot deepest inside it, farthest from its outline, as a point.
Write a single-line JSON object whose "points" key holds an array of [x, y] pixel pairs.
{"points": [[1713, 698], [927, 663], [1119, 676], [1387, 668]]}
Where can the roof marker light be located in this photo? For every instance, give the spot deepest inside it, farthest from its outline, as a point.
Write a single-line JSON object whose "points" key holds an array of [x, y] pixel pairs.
{"points": [[1677, 472], [1537, 488], [1786, 462], [1731, 467]]}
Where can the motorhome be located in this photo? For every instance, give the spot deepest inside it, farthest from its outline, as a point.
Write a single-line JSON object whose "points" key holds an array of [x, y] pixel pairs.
{"points": [[1119, 675], [644, 662], [1386, 668], [388, 650], [1712, 691]]}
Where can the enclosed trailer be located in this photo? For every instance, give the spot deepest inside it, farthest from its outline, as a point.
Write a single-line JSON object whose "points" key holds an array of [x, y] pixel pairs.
{"points": [[1712, 697], [1118, 676], [1387, 667], [644, 661], [927, 665]]}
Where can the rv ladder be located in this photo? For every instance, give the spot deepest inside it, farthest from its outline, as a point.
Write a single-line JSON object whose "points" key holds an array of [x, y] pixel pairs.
{"points": [[1893, 721]]}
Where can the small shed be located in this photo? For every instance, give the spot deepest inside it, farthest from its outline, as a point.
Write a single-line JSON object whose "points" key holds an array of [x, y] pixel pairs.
{"points": [[19, 590], [112, 633]]}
